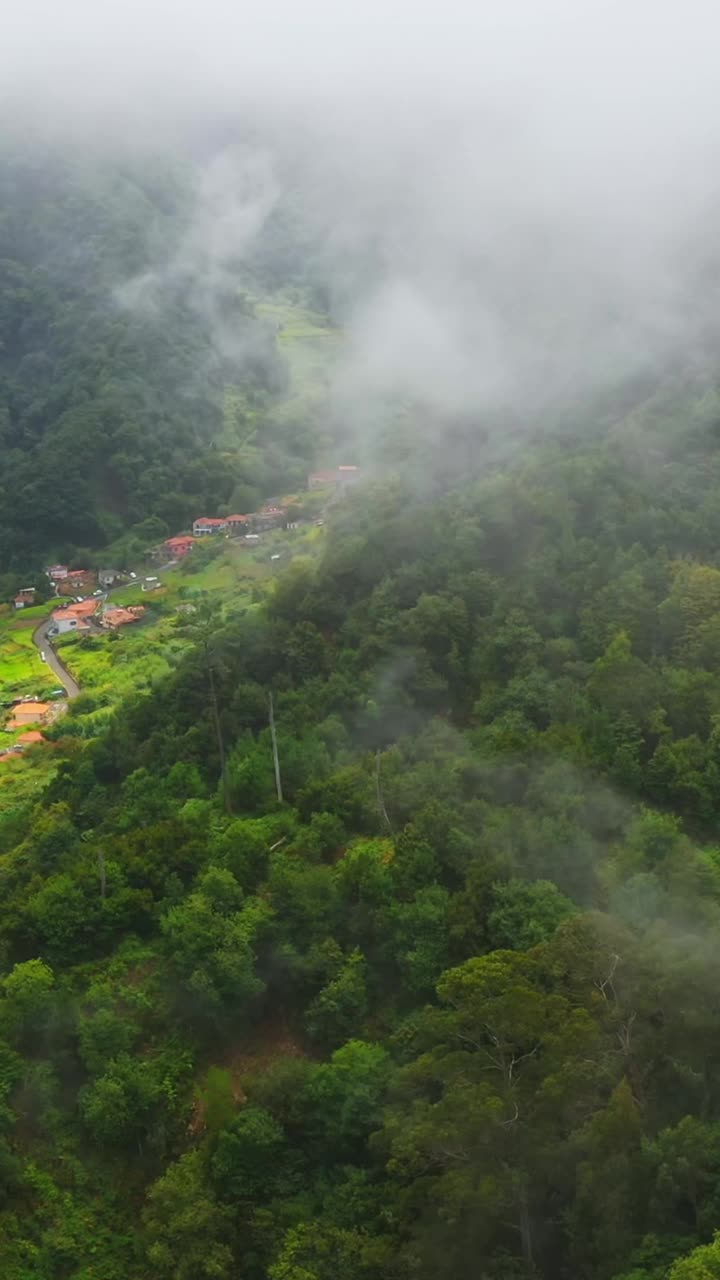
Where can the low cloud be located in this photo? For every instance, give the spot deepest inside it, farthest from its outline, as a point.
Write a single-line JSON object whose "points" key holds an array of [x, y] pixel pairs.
{"points": [[508, 204]]}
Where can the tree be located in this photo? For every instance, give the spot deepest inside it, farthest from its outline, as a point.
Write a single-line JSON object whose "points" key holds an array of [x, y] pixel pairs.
{"points": [[342, 1003], [524, 914], [345, 1093], [612, 1187], [187, 1233], [250, 1161], [313, 1251], [28, 992], [702, 1264]]}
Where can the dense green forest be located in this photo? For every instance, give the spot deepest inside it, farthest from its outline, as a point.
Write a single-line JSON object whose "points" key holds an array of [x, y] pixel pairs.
{"points": [[135, 369], [449, 1009]]}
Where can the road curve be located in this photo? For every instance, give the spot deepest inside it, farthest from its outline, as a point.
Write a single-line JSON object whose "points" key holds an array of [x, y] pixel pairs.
{"points": [[41, 640]]}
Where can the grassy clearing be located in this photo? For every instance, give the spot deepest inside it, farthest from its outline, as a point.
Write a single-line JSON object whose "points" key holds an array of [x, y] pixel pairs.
{"points": [[311, 347], [21, 670]]}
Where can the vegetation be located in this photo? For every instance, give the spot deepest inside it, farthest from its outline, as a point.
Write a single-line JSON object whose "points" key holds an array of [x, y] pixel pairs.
{"points": [[448, 1008], [22, 671], [359, 919], [131, 401]]}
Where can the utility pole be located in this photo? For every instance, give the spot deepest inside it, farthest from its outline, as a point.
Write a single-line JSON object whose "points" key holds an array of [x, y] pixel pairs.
{"points": [[379, 792], [218, 732], [276, 757]]}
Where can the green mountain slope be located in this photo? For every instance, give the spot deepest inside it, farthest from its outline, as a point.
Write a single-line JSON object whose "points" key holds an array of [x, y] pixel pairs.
{"points": [[130, 390], [446, 1010]]}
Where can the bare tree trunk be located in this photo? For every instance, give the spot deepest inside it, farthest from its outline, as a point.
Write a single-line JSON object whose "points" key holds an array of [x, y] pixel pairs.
{"points": [[379, 792], [276, 757], [218, 732]]}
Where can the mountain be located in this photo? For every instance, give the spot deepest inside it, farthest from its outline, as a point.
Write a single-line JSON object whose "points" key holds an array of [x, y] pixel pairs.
{"points": [[453, 997], [138, 379]]}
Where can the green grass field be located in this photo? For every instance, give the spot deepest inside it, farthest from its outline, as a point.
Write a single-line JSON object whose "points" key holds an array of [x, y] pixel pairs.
{"points": [[311, 347], [21, 670]]}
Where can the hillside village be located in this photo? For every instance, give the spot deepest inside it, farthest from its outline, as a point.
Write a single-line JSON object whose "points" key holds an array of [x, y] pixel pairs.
{"points": [[275, 514], [83, 605]]}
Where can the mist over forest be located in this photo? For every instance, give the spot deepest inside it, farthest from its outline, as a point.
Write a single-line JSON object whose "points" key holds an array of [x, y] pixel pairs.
{"points": [[360, 641]]}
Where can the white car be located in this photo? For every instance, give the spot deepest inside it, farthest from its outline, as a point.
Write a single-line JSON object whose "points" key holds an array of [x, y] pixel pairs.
{"points": [[42, 655]]}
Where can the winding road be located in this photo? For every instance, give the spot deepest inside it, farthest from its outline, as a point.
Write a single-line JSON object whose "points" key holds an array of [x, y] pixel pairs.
{"points": [[41, 640]]}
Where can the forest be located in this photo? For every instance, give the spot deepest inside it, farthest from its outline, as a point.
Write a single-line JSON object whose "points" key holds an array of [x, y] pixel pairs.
{"points": [[135, 375], [449, 1007]]}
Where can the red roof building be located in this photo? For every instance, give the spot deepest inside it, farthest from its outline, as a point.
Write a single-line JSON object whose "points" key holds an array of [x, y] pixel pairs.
{"points": [[180, 545], [120, 617], [82, 609], [208, 524], [75, 616]]}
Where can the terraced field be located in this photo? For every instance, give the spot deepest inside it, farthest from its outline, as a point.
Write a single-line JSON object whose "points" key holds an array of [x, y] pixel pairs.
{"points": [[22, 671]]}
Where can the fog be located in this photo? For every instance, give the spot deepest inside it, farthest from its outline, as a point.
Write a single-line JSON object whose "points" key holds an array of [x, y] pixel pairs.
{"points": [[511, 202]]}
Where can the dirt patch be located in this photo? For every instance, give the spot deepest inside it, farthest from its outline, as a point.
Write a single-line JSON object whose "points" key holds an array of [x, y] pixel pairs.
{"points": [[270, 1041]]}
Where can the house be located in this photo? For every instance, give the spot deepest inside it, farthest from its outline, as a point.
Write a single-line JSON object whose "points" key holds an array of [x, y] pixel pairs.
{"points": [[179, 546], [268, 518], [74, 617], [237, 524], [81, 608], [64, 620], [57, 572], [114, 618], [31, 738], [106, 577], [321, 480], [346, 477], [79, 580], [24, 597], [26, 713], [208, 524]]}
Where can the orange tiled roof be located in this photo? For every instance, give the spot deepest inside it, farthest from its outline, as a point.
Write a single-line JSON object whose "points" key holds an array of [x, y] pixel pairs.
{"points": [[118, 617], [83, 609], [26, 712]]}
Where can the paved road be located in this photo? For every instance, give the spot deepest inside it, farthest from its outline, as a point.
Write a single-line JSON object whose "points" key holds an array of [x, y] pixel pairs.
{"points": [[42, 643]]}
